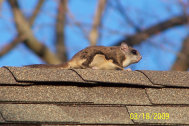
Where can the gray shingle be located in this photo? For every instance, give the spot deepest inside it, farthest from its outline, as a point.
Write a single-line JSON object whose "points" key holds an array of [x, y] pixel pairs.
{"points": [[99, 103], [1, 118], [98, 114], [23, 124], [44, 94], [97, 95], [177, 115], [44, 75], [53, 113], [118, 95], [168, 78], [168, 95], [6, 77], [34, 112], [114, 76]]}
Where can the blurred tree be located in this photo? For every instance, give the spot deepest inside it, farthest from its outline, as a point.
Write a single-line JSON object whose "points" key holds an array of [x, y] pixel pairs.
{"points": [[95, 30]]}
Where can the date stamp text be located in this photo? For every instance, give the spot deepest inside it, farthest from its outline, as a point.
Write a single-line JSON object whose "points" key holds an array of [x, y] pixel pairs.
{"points": [[149, 116]]}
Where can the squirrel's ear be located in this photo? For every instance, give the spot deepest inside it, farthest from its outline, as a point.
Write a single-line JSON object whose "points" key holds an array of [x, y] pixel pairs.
{"points": [[124, 47]]}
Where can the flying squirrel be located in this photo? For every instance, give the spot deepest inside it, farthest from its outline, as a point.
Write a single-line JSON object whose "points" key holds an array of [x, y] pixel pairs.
{"points": [[99, 57]]}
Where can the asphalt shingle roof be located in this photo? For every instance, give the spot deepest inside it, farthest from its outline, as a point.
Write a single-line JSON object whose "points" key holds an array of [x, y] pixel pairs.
{"points": [[83, 96]]}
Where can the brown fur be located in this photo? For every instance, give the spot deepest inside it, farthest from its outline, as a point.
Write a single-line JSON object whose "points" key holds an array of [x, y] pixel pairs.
{"points": [[98, 57], [113, 53]]}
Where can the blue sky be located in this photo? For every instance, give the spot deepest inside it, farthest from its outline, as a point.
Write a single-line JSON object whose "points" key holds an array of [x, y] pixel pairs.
{"points": [[158, 51]]}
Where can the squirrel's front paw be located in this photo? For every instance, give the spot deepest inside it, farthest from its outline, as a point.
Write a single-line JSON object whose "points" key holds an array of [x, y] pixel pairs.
{"points": [[129, 69]]}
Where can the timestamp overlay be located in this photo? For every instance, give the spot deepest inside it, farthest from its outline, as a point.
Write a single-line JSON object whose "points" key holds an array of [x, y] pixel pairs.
{"points": [[149, 116]]}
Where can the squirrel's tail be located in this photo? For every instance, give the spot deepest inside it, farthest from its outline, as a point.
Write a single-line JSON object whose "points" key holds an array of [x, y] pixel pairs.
{"points": [[64, 66]]}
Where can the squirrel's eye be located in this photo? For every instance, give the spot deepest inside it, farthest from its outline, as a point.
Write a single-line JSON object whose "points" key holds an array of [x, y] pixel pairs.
{"points": [[134, 52]]}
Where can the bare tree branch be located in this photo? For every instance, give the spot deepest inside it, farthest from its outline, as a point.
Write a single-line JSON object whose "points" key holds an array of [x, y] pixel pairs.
{"points": [[10, 46], [35, 12], [1, 2], [122, 11], [21, 38], [158, 28], [93, 35], [60, 26], [182, 61], [23, 28], [78, 24]]}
